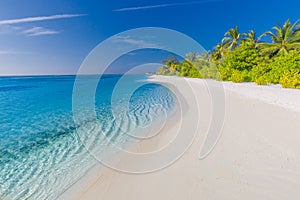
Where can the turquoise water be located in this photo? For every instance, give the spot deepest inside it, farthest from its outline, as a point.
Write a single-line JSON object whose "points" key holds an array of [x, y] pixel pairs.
{"points": [[41, 154]]}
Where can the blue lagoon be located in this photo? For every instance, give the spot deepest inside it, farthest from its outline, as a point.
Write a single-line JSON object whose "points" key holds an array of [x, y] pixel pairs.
{"points": [[41, 154]]}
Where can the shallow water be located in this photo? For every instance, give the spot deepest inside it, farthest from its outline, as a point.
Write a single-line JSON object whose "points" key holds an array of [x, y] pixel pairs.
{"points": [[43, 151]]}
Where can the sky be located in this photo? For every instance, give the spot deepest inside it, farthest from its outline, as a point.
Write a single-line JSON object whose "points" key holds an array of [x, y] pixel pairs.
{"points": [[55, 36]]}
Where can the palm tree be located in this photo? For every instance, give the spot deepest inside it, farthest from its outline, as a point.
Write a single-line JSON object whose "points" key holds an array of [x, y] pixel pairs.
{"points": [[220, 50], [232, 37], [192, 57], [251, 39], [170, 64], [205, 56], [284, 38], [171, 61]]}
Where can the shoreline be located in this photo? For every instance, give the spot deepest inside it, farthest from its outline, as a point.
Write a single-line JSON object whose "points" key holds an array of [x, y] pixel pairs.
{"points": [[253, 155], [99, 171]]}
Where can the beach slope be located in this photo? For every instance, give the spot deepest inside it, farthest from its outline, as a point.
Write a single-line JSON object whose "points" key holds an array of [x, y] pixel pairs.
{"points": [[257, 155]]}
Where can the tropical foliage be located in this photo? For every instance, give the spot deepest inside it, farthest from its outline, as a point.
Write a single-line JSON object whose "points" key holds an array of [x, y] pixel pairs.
{"points": [[245, 57], [284, 38]]}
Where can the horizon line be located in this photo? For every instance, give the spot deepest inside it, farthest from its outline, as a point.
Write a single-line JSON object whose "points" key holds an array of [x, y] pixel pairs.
{"points": [[26, 75]]}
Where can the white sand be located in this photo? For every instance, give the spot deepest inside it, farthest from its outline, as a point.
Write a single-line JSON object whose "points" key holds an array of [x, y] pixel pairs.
{"points": [[256, 157], [272, 94]]}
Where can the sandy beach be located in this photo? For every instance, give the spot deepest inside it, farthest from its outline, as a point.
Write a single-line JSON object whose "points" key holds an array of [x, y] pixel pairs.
{"points": [[257, 155]]}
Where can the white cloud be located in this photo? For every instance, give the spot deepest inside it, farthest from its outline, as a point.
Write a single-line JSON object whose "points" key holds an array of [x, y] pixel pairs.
{"points": [[33, 30], [12, 26], [135, 41], [165, 5], [40, 18], [37, 31], [47, 32]]}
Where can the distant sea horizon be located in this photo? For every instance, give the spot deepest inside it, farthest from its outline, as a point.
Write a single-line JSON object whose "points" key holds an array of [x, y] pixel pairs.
{"points": [[29, 75]]}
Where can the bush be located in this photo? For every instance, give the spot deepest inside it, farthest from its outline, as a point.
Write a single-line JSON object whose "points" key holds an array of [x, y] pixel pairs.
{"points": [[260, 73], [188, 70], [211, 72], [238, 63], [290, 81], [243, 64], [283, 69], [240, 76]]}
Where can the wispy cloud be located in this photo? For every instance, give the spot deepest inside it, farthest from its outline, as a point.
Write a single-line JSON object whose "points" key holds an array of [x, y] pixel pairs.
{"points": [[135, 41], [37, 31], [39, 18], [165, 5], [15, 26]]}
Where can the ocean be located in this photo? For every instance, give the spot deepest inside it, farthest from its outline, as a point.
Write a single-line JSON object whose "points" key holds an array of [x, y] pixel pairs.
{"points": [[43, 150]]}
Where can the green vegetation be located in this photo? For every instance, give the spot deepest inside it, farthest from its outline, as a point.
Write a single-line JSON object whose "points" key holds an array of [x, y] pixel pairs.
{"points": [[245, 57]]}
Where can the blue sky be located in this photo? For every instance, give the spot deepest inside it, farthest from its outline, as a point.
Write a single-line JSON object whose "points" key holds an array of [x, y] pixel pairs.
{"points": [[54, 36]]}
